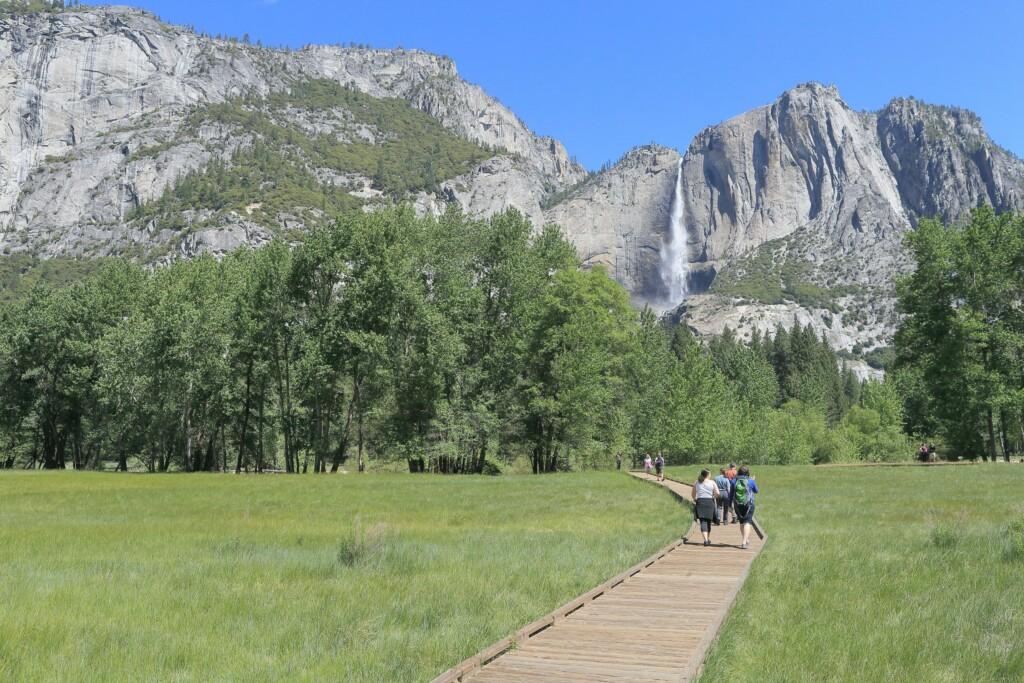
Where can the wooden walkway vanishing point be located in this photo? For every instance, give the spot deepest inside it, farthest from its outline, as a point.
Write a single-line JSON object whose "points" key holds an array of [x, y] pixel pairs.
{"points": [[654, 622]]}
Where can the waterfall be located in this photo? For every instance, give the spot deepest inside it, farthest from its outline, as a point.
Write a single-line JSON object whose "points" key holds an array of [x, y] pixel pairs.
{"points": [[675, 260]]}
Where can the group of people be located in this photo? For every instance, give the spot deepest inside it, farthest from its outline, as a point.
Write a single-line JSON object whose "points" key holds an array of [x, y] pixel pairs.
{"points": [[658, 464], [926, 453], [729, 493]]}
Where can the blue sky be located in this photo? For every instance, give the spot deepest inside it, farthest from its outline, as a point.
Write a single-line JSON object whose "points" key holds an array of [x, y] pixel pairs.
{"points": [[604, 77]]}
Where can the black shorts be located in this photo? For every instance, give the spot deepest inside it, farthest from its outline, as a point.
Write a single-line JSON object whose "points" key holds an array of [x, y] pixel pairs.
{"points": [[745, 513], [658, 468]]}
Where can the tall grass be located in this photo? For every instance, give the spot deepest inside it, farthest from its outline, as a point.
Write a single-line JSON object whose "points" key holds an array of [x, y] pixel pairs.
{"points": [[358, 578], [881, 574]]}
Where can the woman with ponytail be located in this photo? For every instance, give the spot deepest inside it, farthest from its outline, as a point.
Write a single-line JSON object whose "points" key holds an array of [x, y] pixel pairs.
{"points": [[705, 494]]}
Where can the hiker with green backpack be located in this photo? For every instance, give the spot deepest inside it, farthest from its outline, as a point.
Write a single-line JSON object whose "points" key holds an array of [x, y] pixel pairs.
{"points": [[743, 490]]}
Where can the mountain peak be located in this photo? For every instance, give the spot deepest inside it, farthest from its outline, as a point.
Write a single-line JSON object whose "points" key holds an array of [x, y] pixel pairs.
{"points": [[810, 96], [813, 88], [641, 153], [939, 119]]}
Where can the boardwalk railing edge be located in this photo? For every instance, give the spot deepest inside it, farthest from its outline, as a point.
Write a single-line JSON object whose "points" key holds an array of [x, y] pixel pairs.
{"points": [[458, 672]]}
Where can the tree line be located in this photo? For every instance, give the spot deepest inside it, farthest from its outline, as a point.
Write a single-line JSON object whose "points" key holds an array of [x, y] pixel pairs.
{"points": [[960, 350], [449, 344]]}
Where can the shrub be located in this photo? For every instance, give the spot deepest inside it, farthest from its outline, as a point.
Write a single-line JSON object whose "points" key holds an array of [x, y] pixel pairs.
{"points": [[877, 435], [943, 537], [792, 434], [362, 545], [886, 445], [836, 445]]}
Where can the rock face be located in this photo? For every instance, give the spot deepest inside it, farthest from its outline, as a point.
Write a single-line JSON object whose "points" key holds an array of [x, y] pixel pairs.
{"points": [[617, 219], [710, 314], [796, 211], [468, 110], [944, 163], [806, 161], [498, 184], [81, 92]]}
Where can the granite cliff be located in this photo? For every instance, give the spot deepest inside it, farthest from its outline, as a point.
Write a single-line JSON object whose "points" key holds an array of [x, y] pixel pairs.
{"points": [[795, 211], [94, 111], [121, 134]]}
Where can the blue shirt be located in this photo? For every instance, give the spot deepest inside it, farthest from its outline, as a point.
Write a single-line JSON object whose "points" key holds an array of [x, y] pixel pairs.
{"points": [[723, 486]]}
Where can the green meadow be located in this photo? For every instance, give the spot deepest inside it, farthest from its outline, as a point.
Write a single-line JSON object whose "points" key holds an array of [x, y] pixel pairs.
{"points": [[870, 573], [109, 577], [881, 574]]}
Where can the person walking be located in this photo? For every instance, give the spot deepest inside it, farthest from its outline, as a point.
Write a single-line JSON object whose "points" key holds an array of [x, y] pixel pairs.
{"points": [[647, 464], [659, 467], [730, 474], [705, 493], [725, 502], [618, 461], [743, 490]]}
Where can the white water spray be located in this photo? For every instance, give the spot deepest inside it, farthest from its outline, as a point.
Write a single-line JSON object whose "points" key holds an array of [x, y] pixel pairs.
{"points": [[675, 259]]}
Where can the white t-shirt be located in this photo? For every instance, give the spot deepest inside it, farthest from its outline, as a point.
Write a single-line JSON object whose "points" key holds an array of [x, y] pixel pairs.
{"points": [[706, 488]]}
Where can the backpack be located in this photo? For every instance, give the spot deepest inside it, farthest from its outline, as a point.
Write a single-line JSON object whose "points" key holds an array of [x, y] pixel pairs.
{"points": [[741, 491]]}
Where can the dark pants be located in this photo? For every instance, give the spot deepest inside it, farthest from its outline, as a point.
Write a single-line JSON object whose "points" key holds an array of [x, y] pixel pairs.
{"points": [[723, 510]]}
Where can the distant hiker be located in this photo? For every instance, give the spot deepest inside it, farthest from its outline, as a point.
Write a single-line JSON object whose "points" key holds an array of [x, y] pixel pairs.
{"points": [[618, 461], [705, 493], [743, 490], [647, 464], [659, 467], [724, 502], [932, 457], [922, 453]]}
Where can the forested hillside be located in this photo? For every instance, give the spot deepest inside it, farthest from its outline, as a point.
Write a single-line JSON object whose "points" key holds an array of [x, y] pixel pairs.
{"points": [[303, 155]]}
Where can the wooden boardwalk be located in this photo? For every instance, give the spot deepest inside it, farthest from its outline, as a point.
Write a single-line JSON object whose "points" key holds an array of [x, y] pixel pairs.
{"points": [[654, 622]]}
